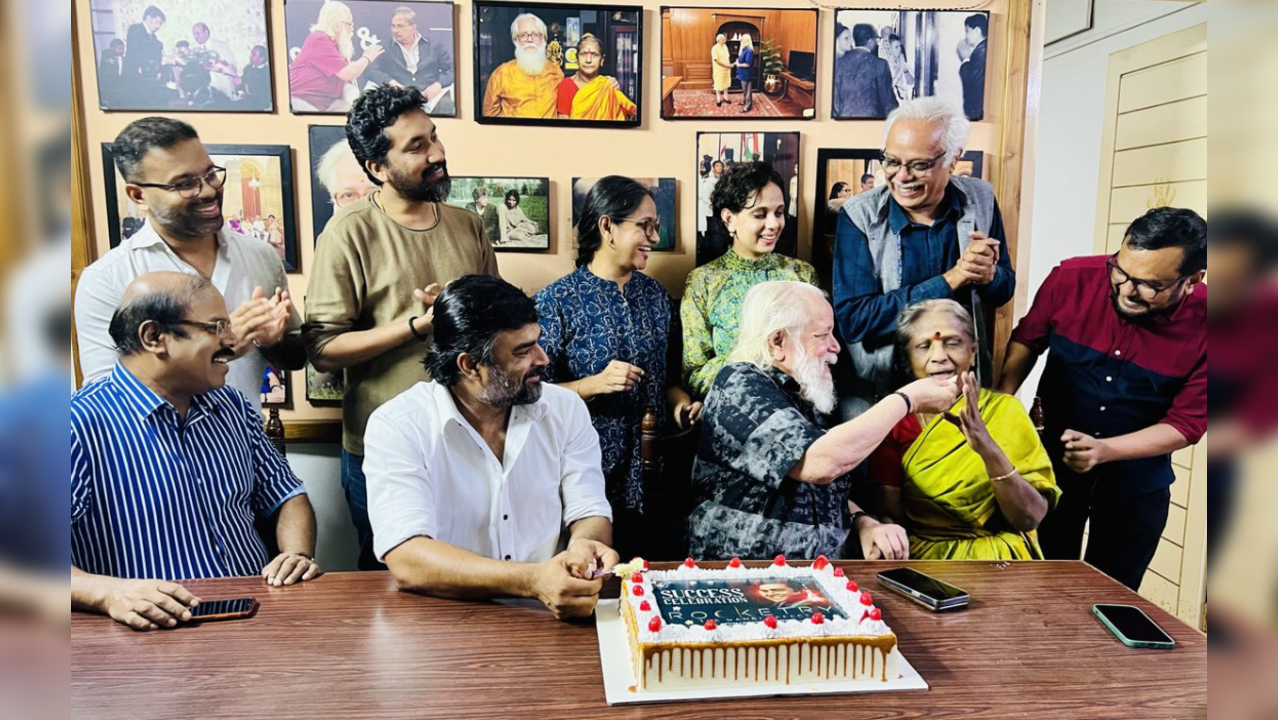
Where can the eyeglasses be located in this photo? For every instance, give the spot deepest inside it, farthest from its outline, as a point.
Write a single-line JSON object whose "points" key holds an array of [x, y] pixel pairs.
{"points": [[1144, 288], [892, 166], [190, 188], [528, 36], [651, 228], [220, 328]]}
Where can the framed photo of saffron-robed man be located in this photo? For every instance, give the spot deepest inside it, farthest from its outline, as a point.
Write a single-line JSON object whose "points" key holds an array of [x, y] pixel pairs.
{"points": [[182, 55], [337, 49], [558, 64], [256, 196], [738, 63]]}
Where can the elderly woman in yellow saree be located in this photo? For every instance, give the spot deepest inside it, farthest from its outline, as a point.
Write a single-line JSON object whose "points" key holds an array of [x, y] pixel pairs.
{"points": [[972, 483], [587, 95]]}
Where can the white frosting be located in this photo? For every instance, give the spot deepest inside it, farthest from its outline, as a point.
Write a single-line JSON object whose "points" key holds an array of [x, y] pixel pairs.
{"points": [[834, 588]]}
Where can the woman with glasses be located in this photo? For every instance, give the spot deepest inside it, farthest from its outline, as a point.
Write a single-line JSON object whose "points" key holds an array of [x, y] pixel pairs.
{"points": [[606, 328], [750, 202]]}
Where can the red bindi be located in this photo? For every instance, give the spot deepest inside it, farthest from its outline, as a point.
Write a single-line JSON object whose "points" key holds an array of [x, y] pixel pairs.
{"points": [[937, 336]]}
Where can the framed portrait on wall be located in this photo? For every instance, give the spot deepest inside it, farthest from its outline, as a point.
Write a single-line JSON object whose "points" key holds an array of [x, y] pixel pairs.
{"points": [[515, 211], [182, 55], [738, 64], [337, 180], [324, 389], [719, 152], [337, 50], [276, 389], [256, 197], [663, 194], [885, 57], [845, 173], [529, 70]]}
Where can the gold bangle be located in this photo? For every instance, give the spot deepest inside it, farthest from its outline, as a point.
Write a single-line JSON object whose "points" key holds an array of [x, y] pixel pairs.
{"points": [[1004, 477]]}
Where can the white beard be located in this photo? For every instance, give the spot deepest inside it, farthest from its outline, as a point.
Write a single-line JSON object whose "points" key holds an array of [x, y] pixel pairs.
{"points": [[818, 386], [346, 45], [531, 61]]}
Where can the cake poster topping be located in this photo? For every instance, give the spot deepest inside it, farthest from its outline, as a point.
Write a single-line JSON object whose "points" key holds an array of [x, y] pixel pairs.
{"points": [[771, 622], [637, 590], [779, 561], [654, 625], [645, 606], [734, 562], [689, 563], [817, 618], [866, 599], [852, 586], [820, 563]]}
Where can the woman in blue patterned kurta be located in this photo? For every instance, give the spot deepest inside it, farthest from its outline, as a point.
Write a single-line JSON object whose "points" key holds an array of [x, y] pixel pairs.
{"points": [[606, 328]]}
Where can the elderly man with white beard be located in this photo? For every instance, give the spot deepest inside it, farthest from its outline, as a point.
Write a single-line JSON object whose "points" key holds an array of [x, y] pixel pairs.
{"points": [[775, 481], [527, 86]]}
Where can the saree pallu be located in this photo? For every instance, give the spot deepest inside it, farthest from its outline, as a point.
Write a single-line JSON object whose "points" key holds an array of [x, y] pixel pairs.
{"points": [[598, 100], [948, 497]]}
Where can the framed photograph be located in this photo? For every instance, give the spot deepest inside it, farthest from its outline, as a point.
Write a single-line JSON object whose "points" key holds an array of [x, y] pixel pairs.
{"points": [[324, 389], [337, 180], [738, 64], [257, 199], [663, 192], [843, 173], [515, 211], [276, 389], [529, 70], [717, 153], [337, 50], [885, 57], [182, 55]]}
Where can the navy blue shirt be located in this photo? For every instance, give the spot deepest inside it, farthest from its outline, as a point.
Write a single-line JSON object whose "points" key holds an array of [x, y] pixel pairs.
{"points": [[865, 312]]}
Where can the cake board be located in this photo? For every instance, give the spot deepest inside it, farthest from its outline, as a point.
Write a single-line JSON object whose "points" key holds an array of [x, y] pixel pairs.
{"points": [[614, 656]]}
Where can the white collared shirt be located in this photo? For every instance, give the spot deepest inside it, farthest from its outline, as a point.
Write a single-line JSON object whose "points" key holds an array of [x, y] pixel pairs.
{"points": [[243, 263], [412, 55], [431, 474]]}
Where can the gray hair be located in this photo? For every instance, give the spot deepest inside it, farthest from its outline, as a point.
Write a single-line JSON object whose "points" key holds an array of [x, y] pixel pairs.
{"points": [[409, 15], [910, 316], [330, 161], [772, 307], [934, 110], [514, 26]]}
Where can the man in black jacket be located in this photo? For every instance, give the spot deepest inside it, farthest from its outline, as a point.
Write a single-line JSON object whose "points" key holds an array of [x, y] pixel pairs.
{"points": [[416, 62], [863, 80], [972, 71], [144, 58]]}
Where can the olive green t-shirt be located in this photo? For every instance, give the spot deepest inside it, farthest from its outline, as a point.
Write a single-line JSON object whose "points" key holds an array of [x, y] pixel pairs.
{"points": [[366, 268]]}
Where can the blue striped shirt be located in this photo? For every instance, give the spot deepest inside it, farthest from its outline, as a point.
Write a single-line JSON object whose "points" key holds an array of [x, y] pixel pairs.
{"points": [[156, 496]]}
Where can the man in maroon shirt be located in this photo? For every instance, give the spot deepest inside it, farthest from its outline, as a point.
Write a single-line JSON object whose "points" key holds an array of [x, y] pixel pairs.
{"points": [[1124, 387], [318, 76]]}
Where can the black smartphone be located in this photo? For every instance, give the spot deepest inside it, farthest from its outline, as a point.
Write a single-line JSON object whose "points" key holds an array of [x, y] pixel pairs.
{"points": [[924, 589], [229, 609], [1133, 627]]}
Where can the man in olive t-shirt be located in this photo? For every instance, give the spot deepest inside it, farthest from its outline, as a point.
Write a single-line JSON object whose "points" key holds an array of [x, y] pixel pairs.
{"points": [[379, 265]]}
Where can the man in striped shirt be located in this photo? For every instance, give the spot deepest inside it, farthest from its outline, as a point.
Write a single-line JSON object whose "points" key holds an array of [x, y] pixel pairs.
{"points": [[169, 467]]}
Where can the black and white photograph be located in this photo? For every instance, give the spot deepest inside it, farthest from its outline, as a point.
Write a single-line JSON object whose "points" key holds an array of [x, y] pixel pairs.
{"points": [[557, 64], [257, 197], [182, 55], [885, 57], [717, 153], [337, 50], [515, 211], [337, 180]]}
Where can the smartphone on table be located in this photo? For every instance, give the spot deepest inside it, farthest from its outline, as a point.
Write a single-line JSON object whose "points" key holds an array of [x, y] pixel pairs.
{"points": [[229, 609], [933, 594], [1133, 627]]}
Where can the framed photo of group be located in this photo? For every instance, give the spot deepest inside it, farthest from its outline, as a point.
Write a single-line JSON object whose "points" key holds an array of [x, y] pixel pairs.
{"points": [[515, 211], [738, 64], [256, 197], [845, 173], [558, 64], [337, 49], [182, 55]]}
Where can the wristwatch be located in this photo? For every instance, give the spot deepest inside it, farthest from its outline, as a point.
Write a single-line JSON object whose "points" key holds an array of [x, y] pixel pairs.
{"points": [[857, 515]]}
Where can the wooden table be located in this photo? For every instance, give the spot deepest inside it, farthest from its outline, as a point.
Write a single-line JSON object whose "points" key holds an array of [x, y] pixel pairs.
{"points": [[668, 85], [349, 645]]}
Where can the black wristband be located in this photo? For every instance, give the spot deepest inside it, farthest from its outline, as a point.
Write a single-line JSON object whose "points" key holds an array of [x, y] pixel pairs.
{"points": [[856, 516], [909, 406], [420, 337]]}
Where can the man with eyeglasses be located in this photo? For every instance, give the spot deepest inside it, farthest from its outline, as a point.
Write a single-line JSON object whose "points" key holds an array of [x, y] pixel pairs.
{"points": [[1124, 387], [170, 177], [169, 467], [416, 62], [926, 233], [528, 85]]}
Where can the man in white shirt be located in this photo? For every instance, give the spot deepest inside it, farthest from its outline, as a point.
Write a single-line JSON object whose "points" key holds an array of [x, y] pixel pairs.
{"points": [[474, 477], [223, 71], [172, 179]]}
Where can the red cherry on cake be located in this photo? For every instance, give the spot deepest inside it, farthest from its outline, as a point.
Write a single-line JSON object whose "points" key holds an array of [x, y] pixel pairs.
{"points": [[710, 624], [734, 562], [654, 625], [866, 599], [645, 564], [876, 614], [838, 572], [636, 579], [644, 606], [852, 586], [864, 615], [689, 563], [820, 563], [771, 622], [817, 618], [779, 561], [637, 590]]}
